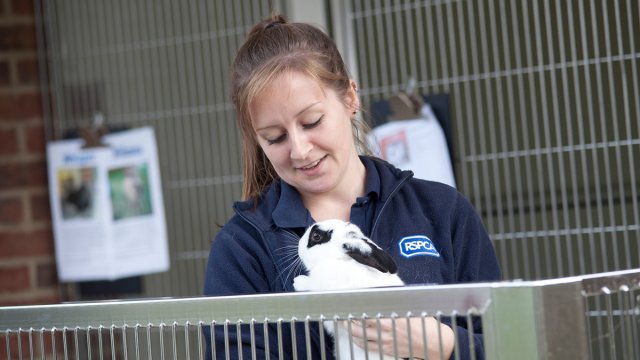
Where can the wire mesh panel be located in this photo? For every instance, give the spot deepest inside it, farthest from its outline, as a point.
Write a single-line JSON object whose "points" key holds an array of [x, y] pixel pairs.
{"points": [[593, 316], [613, 320], [545, 109], [544, 101], [162, 64], [106, 342], [281, 326]]}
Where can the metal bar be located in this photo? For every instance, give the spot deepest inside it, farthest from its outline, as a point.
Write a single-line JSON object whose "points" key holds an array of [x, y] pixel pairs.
{"points": [[470, 331], [475, 173], [89, 348], [454, 326], [524, 267], [604, 126], [100, 348], [265, 329], [112, 342], [610, 328], [41, 22], [307, 336], [424, 334], [149, 353], [174, 343], [618, 152], [279, 331], [410, 342], [42, 353], [294, 342], [501, 145], [439, 322], [604, 253], [625, 329], [410, 32], [162, 346], [633, 301], [628, 116], [212, 332], [239, 336], [65, 351], [31, 348], [321, 332], [442, 44], [394, 334], [124, 343], [465, 111], [136, 340], [200, 341]]}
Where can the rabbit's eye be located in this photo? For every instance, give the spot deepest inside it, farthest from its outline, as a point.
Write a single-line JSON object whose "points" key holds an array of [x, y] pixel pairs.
{"points": [[318, 236]]}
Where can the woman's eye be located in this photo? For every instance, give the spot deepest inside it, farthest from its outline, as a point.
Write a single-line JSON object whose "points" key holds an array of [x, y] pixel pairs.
{"points": [[314, 124], [277, 140]]}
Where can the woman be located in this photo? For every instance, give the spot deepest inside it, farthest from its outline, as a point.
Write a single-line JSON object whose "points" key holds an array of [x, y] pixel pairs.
{"points": [[296, 108]]}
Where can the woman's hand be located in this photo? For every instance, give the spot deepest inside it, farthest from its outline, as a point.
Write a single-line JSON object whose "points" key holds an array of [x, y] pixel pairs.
{"points": [[402, 335]]}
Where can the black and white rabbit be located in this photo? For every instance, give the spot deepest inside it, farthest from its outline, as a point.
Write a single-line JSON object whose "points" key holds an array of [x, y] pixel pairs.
{"points": [[338, 256]]}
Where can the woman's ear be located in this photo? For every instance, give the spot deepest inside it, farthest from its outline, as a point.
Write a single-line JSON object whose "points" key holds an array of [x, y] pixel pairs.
{"points": [[353, 100]]}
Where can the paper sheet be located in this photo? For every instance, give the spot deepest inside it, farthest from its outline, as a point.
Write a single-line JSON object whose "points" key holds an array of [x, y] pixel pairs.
{"points": [[107, 207], [419, 145]]}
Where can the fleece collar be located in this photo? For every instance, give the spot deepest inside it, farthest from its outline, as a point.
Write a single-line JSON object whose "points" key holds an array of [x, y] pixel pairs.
{"points": [[283, 201]]}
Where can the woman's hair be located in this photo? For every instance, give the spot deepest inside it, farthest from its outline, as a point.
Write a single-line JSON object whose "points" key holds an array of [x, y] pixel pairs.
{"points": [[274, 47]]}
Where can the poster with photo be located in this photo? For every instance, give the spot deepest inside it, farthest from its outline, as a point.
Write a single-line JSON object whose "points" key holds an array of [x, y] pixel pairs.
{"points": [[107, 207]]}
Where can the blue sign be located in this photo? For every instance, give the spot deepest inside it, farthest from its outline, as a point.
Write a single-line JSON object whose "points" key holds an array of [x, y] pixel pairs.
{"points": [[417, 245]]}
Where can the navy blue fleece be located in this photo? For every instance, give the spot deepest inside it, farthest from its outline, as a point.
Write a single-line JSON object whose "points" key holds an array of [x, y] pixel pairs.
{"points": [[248, 255]]}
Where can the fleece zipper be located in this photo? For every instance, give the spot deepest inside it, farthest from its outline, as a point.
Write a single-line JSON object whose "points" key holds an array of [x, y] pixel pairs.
{"points": [[384, 205]]}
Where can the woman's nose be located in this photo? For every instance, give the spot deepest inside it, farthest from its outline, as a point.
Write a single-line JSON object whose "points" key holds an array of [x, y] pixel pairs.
{"points": [[300, 146]]}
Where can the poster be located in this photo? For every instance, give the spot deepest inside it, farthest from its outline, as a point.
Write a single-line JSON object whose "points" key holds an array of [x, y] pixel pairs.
{"points": [[419, 145], [107, 207]]}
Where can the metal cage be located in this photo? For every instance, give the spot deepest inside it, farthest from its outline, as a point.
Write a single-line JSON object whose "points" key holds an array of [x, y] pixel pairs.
{"points": [[584, 317]]}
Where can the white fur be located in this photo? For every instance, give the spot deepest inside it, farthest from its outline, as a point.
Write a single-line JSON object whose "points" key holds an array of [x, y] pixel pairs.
{"points": [[330, 268]]}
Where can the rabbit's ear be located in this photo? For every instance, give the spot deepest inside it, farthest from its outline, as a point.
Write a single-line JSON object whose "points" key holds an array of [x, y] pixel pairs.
{"points": [[377, 258]]}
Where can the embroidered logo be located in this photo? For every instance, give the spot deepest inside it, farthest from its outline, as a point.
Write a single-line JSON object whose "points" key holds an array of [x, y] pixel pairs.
{"points": [[417, 245]]}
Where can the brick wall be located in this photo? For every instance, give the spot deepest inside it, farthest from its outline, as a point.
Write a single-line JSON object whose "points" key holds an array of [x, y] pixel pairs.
{"points": [[27, 265]]}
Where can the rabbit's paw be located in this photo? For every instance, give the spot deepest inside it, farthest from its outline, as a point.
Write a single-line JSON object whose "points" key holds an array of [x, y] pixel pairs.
{"points": [[301, 283]]}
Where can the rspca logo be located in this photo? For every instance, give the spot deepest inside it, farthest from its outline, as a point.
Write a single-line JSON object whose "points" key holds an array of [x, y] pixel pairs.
{"points": [[417, 245]]}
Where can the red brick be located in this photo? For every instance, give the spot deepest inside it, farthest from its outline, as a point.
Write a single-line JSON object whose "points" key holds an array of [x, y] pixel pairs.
{"points": [[14, 278], [17, 37], [22, 7], [40, 210], [5, 73], [38, 300], [35, 139], [47, 275], [18, 174], [26, 243], [8, 142], [20, 106], [11, 211], [28, 71]]}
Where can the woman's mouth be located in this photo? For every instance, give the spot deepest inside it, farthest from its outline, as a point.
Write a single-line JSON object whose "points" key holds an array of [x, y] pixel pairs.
{"points": [[313, 165]]}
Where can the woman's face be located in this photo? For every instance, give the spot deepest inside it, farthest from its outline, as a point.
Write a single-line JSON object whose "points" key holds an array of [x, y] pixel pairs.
{"points": [[305, 131]]}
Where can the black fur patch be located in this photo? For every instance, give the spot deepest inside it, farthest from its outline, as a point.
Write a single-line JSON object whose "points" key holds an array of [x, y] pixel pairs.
{"points": [[377, 258], [318, 236]]}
